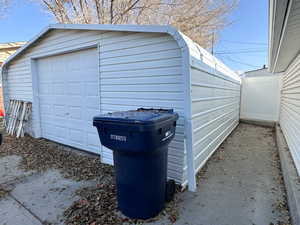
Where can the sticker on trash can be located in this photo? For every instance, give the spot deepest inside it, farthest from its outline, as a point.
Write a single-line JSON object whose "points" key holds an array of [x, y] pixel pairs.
{"points": [[118, 137], [168, 134]]}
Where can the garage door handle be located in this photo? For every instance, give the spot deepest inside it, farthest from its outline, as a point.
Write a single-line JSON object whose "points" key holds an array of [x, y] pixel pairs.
{"points": [[67, 114]]}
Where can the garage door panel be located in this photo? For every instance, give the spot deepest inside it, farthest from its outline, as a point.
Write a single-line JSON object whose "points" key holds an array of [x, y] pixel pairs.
{"points": [[45, 110], [76, 112], [77, 124], [89, 74], [57, 139], [92, 89], [58, 88], [75, 88], [62, 131], [69, 98], [89, 115], [51, 99], [77, 136], [54, 121], [44, 66], [49, 129], [45, 99], [58, 64], [87, 61], [55, 131], [93, 131], [60, 111], [44, 88]]}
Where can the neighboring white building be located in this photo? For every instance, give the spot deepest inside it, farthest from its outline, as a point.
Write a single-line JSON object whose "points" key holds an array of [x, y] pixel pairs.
{"points": [[260, 96], [284, 57], [71, 73]]}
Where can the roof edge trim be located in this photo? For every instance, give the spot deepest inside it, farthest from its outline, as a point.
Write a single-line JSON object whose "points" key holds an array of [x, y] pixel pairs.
{"points": [[272, 7], [282, 34]]}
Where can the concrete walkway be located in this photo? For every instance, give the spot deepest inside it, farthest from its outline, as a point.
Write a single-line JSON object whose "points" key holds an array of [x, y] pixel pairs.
{"points": [[241, 184], [35, 198]]}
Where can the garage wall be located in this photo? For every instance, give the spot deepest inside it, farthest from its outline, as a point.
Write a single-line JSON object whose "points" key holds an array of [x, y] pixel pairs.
{"points": [[17, 81], [136, 70], [215, 108], [143, 70], [260, 98], [290, 109]]}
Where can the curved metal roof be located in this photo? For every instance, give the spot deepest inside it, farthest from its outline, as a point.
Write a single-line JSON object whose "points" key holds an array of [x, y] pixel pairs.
{"points": [[196, 52]]}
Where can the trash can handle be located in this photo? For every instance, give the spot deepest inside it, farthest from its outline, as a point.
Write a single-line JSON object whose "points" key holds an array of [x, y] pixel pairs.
{"points": [[152, 109]]}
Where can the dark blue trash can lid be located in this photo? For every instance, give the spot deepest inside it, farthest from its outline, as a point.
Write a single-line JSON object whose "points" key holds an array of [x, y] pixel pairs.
{"points": [[139, 116]]}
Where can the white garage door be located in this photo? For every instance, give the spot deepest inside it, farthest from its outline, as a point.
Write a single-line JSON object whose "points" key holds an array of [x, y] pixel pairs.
{"points": [[69, 98]]}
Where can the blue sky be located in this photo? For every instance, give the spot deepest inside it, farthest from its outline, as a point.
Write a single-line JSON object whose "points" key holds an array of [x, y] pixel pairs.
{"points": [[245, 41], [24, 19], [242, 45]]}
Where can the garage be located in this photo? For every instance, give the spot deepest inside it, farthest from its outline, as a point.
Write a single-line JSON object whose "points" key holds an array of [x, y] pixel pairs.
{"points": [[69, 98], [71, 73]]}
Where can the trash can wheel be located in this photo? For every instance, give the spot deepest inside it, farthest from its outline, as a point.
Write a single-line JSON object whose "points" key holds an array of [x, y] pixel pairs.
{"points": [[170, 190]]}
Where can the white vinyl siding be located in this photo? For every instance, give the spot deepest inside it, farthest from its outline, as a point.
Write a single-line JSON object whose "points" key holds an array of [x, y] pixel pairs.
{"points": [[290, 109], [215, 111], [143, 70]]}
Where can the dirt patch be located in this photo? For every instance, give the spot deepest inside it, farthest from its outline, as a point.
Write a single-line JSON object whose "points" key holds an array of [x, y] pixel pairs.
{"points": [[40, 155]]}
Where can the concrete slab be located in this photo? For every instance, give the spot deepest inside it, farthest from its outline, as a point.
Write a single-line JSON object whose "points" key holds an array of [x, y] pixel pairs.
{"points": [[47, 195], [12, 213], [291, 178], [241, 184], [9, 171]]}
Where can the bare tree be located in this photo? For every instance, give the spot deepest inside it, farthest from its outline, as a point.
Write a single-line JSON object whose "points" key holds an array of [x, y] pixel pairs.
{"points": [[199, 19]]}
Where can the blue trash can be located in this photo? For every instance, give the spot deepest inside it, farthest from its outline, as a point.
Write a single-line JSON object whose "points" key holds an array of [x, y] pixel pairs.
{"points": [[139, 140]]}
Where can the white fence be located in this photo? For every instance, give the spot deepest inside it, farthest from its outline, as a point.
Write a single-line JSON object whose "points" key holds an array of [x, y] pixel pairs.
{"points": [[260, 98]]}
